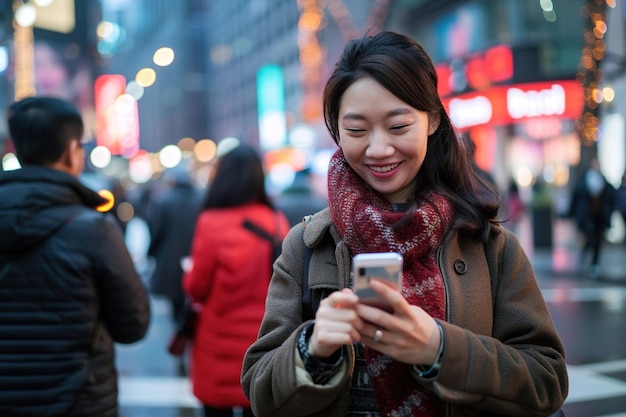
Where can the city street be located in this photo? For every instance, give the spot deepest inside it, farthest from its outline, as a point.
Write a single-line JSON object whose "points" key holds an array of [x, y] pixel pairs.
{"points": [[589, 315]]}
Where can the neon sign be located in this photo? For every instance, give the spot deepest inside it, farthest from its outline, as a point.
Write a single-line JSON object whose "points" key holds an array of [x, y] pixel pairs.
{"points": [[504, 105]]}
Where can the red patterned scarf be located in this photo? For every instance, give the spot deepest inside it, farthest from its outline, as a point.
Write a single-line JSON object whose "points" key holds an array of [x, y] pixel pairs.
{"points": [[364, 218]]}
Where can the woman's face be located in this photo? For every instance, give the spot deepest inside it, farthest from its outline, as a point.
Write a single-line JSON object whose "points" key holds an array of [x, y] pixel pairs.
{"points": [[383, 139]]}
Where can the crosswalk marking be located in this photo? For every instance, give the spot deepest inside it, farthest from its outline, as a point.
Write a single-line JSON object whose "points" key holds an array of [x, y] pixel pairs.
{"points": [[156, 392], [613, 295], [586, 384]]}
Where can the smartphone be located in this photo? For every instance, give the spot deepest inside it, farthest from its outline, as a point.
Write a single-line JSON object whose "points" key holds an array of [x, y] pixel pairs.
{"points": [[384, 266]]}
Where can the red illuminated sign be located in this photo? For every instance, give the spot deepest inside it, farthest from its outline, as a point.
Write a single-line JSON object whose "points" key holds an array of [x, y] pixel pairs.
{"points": [[478, 71], [504, 105], [117, 116]]}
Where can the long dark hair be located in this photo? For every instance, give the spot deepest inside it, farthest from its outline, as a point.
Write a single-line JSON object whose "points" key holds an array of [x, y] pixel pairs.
{"points": [[402, 66], [239, 179]]}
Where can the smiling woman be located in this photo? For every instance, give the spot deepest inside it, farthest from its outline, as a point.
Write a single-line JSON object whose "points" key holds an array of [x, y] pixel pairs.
{"points": [[403, 181]]}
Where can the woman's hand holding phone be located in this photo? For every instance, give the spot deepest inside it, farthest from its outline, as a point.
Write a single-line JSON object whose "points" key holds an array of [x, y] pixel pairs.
{"points": [[336, 324], [391, 325]]}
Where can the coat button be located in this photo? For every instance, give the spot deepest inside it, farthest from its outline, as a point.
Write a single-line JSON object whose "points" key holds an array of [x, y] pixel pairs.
{"points": [[460, 266]]}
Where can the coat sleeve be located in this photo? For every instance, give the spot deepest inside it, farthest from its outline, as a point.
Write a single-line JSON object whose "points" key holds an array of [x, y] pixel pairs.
{"points": [[519, 368], [125, 303], [269, 368]]}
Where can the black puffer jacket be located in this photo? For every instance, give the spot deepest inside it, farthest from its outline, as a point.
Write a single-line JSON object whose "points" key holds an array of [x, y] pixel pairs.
{"points": [[68, 290]]}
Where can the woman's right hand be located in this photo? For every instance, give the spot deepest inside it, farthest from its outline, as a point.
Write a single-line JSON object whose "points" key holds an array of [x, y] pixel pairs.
{"points": [[336, 324]]}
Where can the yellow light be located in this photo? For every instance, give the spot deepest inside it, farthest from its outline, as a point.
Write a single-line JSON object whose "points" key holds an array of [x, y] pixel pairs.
{"points": [[310, 20], [108, 195], [24, 61], [596, 95], [145, 77], [205, 150], [608, 93]]}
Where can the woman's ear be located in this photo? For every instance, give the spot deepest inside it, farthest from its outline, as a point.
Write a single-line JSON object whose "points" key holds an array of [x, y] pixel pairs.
{"points": [[433, 123]]}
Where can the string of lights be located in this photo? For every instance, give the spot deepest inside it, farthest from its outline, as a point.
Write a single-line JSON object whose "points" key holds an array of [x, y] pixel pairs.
{"points": [[589, 73], [313, 53]]}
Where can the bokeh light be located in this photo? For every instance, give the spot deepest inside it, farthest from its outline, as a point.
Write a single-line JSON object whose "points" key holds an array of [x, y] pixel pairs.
{"points": [[226, 145], [163, 56], [524, 176], [124, 104], [170, 156], [281, 176], [125, 211], [140, 168], [608, 94], [10, 162], [302, 136], [135, 90], [100, 157], [205, 150], [145, 77], [26, 15], [108, 195], [186, 146]]}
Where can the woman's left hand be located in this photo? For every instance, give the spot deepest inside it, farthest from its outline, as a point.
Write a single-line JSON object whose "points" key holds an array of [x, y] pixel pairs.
{"points": [[408, 334]]}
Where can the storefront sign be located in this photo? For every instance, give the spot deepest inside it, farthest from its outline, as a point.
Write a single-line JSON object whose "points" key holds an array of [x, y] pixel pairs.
{"points": [[504, 105]]}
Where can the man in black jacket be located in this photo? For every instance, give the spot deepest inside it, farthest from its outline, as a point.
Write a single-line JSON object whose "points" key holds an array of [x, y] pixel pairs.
{"points": [[68, 286]]}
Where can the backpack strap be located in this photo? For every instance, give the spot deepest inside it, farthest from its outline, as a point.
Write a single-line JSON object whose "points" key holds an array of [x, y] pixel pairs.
{"points": [[308, 309], [310, 297], [275, 240]]}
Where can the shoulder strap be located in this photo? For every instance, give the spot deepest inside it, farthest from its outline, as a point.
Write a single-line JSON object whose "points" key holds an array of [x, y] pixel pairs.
{"points": [[258, 230], [308, 309], [310, 297]]}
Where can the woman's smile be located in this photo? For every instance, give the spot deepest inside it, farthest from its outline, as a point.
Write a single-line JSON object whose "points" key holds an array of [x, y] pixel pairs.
{"points": [[383, 139]]}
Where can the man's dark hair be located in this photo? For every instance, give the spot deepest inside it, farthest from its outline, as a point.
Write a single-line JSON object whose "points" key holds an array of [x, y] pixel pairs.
{"points": [[41, 127]]}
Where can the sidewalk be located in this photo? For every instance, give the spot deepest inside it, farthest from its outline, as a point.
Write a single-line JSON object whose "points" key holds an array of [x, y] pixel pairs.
{"points": [[563, 258]]}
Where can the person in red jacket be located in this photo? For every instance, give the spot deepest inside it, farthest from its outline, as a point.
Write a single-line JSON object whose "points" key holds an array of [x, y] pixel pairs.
{"points": [[230, 273]]}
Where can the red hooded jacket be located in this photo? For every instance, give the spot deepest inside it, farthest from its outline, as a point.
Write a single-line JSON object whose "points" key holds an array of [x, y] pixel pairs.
{"points": [[229, 279]]}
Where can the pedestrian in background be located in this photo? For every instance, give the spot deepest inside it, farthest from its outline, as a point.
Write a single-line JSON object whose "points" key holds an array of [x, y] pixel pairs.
{"points": [[620, 200], [69, 289], [591, 207], [230, 272], [486, 176], [299, 199], [171, 223], [469, 332], [514, 208]]}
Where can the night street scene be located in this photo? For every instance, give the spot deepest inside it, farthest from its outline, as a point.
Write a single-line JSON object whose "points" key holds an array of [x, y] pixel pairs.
{"points": [[167, 88]]}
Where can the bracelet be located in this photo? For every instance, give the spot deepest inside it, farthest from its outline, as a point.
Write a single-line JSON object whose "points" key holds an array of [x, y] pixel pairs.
{"points": [[433, 371], [320, 370]]}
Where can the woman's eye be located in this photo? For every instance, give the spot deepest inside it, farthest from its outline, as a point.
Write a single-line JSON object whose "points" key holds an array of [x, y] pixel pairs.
{"points": [[399, 127], [354, 130]]}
